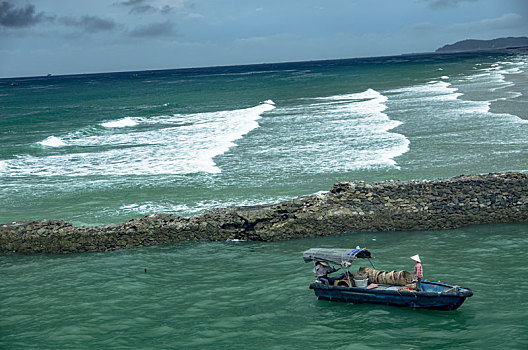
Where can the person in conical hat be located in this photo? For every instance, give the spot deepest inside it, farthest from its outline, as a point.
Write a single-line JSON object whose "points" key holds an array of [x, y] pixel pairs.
{"points": [[416, 258], [418, 271]]}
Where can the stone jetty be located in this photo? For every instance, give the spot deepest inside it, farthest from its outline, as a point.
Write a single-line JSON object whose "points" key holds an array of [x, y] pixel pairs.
{"points": [[348, 206]]}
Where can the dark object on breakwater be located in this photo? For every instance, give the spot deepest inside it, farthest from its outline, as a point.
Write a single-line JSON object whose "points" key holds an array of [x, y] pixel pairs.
{"points": [[401, 292], [349, 206]]}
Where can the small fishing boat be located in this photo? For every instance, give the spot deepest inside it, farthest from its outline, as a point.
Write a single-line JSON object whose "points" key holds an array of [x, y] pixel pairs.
{"points": [[372, 286]]}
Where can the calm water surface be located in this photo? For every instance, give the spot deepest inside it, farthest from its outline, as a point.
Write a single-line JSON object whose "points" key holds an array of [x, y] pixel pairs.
{"points": [[251, 295]]}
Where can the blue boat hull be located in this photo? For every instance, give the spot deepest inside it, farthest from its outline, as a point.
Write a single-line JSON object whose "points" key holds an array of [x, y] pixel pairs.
{"points": [[435, 295]]}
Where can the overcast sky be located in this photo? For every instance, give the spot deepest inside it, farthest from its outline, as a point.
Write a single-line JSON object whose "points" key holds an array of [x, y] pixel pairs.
{"points": [[85, 36]]}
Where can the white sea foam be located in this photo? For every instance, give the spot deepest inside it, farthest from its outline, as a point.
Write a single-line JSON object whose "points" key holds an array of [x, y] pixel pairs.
{"points": [[338, 133], [475, 76], [431, 91], [453, 119], [514, 70], [368, 94], [492, 82], [493, 79], [177, 144], [475, 107], [121, 123], [194, 208], [52, 141]]}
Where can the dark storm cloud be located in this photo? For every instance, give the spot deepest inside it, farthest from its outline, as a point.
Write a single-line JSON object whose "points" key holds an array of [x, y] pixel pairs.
{"points": [[132, 2], [137, 6], [142, 6], [89, 23], [147, 8], [445, 3], [166, 9], [154, 29], [141, 9], [11, 16]]}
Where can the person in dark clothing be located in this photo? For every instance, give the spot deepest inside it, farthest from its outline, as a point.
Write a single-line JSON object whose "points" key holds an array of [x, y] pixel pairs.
{"points": [[321, 271]]}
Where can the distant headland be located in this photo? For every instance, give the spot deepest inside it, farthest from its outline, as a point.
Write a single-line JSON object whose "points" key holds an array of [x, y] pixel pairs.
{"points": [[484, 45]]}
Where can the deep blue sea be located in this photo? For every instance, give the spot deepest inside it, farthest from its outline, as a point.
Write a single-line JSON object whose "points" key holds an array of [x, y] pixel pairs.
{"points": [[104, 148]]}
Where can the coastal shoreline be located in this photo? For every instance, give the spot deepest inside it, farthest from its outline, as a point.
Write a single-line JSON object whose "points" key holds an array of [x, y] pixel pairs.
{"points": [[348, 206]]}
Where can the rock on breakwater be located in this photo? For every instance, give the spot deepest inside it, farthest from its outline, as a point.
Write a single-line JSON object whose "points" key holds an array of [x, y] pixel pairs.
{"points": [[348, 206]]}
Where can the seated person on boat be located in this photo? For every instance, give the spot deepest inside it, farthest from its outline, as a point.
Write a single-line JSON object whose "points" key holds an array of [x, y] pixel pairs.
{"points": [[321, 271]]}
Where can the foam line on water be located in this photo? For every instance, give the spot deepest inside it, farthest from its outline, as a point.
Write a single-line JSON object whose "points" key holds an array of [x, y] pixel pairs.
{"points": [[431, 91], [121, 123], [146, 208], [440, 98], [52, 141], [367, 94], [342, 132], [492, 81], [437, 97], [178, 144]]}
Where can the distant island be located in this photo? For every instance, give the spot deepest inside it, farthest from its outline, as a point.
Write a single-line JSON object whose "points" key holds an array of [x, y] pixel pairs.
{"points": [[484, 45]]}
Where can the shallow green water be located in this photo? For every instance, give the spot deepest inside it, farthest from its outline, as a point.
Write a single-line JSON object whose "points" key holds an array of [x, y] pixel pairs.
{"points": [[101, 149], [251, 295]]}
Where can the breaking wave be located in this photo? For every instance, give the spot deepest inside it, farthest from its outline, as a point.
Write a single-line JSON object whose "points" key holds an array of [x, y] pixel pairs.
{"points": [[175, 144], [336, 133], [52, 141], [121, 123]]}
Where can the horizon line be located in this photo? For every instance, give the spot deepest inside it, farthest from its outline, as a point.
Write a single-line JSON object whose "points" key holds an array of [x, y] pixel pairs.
{"points": [[50, 75]]}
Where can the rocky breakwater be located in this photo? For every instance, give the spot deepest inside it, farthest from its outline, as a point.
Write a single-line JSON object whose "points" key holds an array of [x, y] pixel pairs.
{"points": [[348, 206]]}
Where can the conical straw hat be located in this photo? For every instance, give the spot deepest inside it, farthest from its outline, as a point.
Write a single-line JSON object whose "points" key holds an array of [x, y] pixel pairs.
{"points": [[416, 258]]}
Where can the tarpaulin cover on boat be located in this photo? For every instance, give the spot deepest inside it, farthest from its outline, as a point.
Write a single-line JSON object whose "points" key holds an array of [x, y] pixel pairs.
{"points": [[335, 256]]}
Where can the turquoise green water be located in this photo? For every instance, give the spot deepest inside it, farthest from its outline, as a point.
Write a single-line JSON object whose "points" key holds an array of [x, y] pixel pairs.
{"points": [[102, 149], [255, 295]]}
